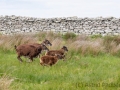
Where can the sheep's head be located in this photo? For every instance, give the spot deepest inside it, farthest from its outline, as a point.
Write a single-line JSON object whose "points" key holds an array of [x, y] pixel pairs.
{"points": [[65, 48], [46, 42]]}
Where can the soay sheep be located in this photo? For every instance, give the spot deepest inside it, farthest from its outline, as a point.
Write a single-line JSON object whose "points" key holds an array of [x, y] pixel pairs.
{"points": [[49, 60], [61, 52], [29, 51]]}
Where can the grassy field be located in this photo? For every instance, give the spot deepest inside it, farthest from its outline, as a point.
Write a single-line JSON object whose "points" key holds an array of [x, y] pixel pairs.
{"points": [[90, 64]]}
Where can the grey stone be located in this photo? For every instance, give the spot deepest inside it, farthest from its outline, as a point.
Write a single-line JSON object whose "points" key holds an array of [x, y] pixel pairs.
{"points": [[99, 25]]}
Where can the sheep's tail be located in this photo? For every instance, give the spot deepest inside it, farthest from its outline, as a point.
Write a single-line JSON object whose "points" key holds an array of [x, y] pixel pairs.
{"points": [[15, 47]]}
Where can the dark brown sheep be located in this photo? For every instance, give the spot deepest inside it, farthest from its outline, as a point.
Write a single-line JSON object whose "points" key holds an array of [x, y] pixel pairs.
{"points": [[61, 51], [49, 60], [29, 51]]}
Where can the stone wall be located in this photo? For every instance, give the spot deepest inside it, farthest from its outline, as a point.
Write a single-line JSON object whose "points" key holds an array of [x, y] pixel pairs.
{"points": [[90, 26]]}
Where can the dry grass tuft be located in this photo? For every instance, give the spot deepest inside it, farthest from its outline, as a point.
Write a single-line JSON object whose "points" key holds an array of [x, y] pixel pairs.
{"points": [[5, 82], [88, 47], [57, 43], [7, 42], [114, 48], [80, 44]]}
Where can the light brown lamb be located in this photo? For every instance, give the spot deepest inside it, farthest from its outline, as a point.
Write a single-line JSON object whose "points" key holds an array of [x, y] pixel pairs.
{"points": [[49, 60]]}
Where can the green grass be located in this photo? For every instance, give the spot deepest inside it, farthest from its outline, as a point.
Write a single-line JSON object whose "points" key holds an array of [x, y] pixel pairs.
{"points": [[76, 73], [92, 63]]}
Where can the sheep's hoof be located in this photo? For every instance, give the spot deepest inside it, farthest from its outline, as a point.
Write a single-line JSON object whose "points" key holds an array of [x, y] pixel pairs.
{"points": [[29, 61], [21, 61], [64, 60]]}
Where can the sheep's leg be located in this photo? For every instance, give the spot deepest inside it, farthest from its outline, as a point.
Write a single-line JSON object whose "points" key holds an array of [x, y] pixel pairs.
{"points": [[41, 63], [63, 58], [31, 59], [19, 59], [39, 56], [51, 64]]}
